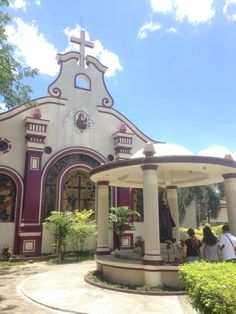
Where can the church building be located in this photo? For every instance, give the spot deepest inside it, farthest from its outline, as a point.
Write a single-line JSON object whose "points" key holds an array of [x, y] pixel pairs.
{"points": [[48, 150]]}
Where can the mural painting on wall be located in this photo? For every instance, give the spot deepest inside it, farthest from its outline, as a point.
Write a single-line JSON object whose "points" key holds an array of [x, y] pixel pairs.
{"points": [[79, 191], [7, 199], [137, 203]]}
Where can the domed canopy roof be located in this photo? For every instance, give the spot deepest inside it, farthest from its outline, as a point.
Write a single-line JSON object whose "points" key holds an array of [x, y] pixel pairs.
{"points": [[164, 149], [175, 166]]}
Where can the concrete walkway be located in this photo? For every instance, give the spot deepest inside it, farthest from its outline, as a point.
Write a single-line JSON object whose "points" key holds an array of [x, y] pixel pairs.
{"points": [[64, 289]]}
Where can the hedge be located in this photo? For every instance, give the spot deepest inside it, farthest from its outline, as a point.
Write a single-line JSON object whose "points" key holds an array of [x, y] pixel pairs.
{"points": [[211, 286]]}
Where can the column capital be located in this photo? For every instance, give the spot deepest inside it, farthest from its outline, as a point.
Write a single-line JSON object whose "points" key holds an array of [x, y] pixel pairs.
{"points": [[229, 176], [103, 183], [172, 187], [149, 167]]}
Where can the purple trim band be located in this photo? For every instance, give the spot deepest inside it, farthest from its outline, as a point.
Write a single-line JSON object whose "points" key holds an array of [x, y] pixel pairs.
{"points": [[140, 269], [229, 176], [154, 263], [103, 253], [25, 108], [132, 127]]}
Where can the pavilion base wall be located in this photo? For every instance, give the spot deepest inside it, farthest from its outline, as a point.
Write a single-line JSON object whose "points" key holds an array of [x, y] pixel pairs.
{"points": [[135, 273]]}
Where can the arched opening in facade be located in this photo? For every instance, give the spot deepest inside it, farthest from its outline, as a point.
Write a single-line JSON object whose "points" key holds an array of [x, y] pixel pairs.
{"points": [[83, 81], [68, 185], [7, 198]]}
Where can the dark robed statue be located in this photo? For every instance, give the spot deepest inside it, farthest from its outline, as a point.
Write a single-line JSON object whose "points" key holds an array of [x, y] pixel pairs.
{"points": [[166, 222]]}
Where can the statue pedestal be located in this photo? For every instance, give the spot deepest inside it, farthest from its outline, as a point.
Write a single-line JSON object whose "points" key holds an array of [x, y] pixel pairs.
{"points": [[127, 240]]}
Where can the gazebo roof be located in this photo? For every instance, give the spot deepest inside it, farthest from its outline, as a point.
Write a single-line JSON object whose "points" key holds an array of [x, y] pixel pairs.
{"points": [[180, 170]]}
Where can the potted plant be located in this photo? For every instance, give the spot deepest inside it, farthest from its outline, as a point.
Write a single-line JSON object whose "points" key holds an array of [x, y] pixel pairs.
{"points": [[121, 219]]}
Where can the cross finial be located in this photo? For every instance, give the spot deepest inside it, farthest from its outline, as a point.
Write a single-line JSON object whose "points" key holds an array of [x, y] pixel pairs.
{"points": [[83, 43]]}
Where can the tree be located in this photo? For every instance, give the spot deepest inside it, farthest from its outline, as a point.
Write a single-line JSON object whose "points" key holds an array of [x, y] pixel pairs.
{"points": [[82, 226], [121, 219], [59, 224], [12, 72], [207, 200]]}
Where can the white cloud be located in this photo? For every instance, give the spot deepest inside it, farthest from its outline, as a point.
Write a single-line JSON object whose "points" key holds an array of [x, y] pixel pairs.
{"points": [[195, 11], [162, 6], [3, 107], [171, 30], [215, 151], [229, 10], [35, 51], [32, 48], [106, 57], [148, 27], [18, 4], [22, 4]]}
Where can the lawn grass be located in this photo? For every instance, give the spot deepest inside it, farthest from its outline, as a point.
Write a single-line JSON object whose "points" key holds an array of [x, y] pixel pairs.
{"points": [[68, 259], [6, 263]]}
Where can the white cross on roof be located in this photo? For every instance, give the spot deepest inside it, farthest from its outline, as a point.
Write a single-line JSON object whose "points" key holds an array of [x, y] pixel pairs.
{"points": [[83, 43]]}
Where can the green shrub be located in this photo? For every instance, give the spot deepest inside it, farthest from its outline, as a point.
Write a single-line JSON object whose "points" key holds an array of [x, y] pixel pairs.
{"points": [[211, 286]]}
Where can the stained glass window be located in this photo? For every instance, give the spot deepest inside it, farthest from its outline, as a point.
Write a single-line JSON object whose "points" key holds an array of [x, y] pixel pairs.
{"points": [[7, 198], [79, 191]]}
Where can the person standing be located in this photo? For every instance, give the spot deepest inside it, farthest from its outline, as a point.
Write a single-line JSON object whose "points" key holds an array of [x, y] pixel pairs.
{"points": [[227, 244], [192, 247], [210, 247]]}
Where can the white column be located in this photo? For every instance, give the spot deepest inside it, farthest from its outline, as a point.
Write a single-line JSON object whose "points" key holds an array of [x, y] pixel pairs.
{"points": [[172, 197], [102, 218], [230, 194], [151, 216]]}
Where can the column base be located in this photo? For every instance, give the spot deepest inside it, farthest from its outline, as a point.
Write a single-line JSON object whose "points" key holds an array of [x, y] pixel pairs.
{"points": [[103, 251], [154, 259]]}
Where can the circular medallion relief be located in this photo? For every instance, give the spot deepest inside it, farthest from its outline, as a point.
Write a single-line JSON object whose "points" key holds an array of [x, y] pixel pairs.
{"points": [[83, 120]]}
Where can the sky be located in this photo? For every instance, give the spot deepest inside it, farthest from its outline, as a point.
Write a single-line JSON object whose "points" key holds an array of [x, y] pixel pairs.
{"points": [[171, 63]]}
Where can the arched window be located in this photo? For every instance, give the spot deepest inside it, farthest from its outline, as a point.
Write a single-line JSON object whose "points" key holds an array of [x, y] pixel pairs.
{"points": [[7, 198], [83, 81]]}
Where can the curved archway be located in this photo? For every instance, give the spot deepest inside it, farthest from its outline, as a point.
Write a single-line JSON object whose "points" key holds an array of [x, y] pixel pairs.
{"points": [[59, 169], [7, 198], [16, 183]]}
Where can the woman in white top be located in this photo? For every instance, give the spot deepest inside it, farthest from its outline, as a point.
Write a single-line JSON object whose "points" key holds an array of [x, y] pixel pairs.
{"points": [[210, 247], [227, 244]]}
